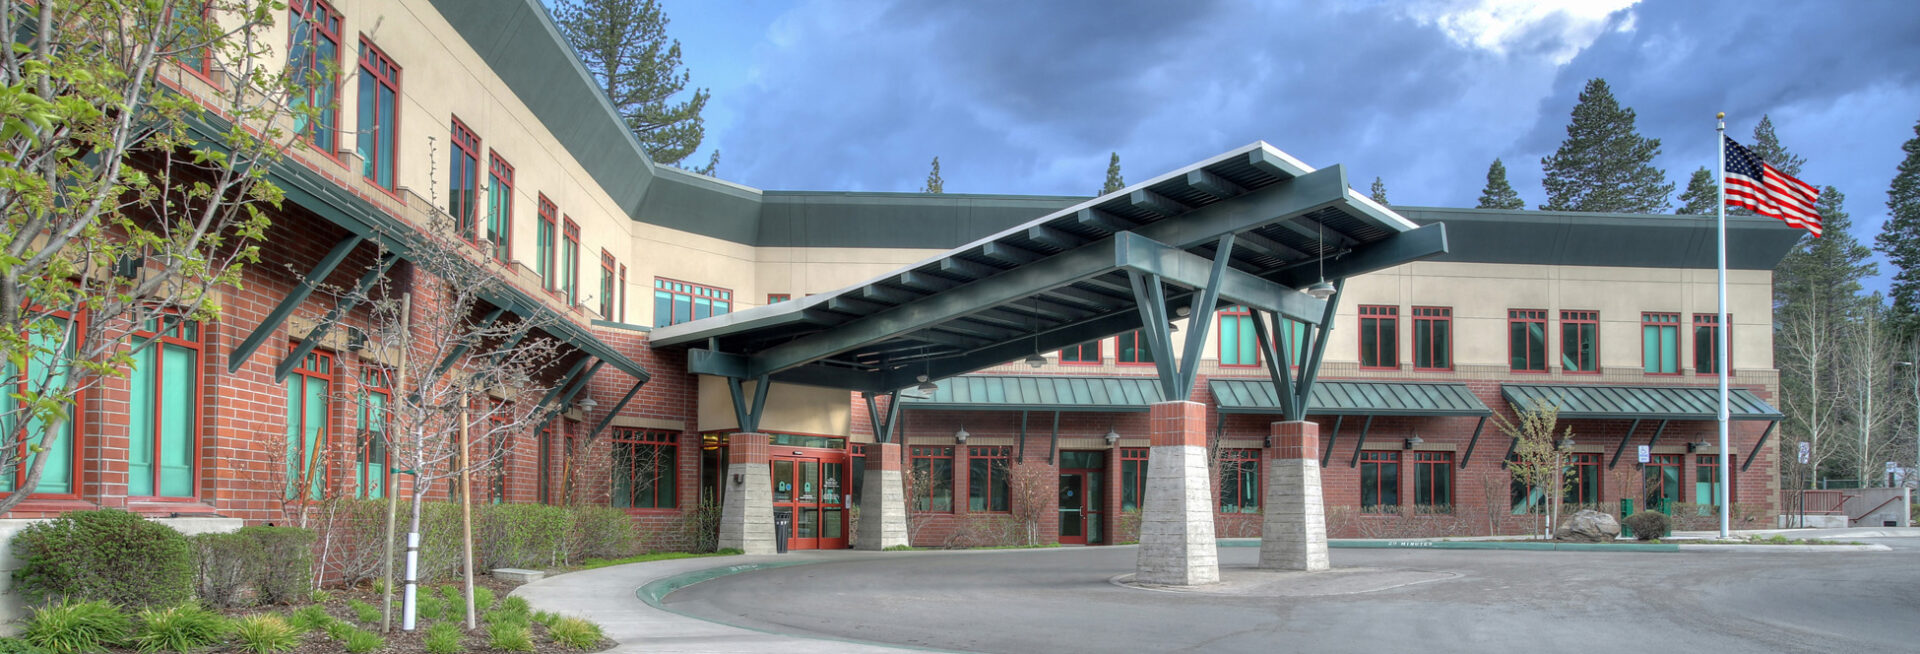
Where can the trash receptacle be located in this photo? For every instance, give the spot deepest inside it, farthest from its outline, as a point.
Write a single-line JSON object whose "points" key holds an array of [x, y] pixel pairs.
{"points": [[782, 527], [1626, 509]]}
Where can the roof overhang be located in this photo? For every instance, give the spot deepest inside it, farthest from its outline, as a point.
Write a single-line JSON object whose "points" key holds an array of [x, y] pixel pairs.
{"points": [[1062, 279], [1597, 401], [1048, 393], [1352, 398]]}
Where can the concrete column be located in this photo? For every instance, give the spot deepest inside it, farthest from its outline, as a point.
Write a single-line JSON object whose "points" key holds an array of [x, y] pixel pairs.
{"points": [[746, 517], [883, 500], [1294, 533], [1176, 524]]}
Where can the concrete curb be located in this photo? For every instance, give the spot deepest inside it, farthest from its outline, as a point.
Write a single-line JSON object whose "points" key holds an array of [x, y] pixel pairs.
{"points": [[1785, 549], [1575, 547], [655, 592]]}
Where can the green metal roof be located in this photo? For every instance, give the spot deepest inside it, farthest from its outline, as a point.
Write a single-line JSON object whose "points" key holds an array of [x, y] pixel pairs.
{"points": [[1051, 393], [1649, 402], [1353, 398]]}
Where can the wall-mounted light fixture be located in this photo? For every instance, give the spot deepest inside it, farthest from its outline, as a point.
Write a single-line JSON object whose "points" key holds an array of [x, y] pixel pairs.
{"points": [[1696, 447], [1566, 443], [961, 436], [1413, 441], [1113, 437], [739, 479], [586, 405]]}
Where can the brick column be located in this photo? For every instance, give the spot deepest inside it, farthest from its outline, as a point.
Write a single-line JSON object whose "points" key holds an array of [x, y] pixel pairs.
{"points": [[1176, 523], [1293, 535], [883, 500], [746, 517]]}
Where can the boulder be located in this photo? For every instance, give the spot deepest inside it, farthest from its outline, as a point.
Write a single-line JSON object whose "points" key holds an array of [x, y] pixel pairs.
{"points": [[1587, 526]]}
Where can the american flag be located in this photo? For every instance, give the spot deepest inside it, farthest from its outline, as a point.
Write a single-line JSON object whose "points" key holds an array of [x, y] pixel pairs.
{"points": [[1756, 185]]}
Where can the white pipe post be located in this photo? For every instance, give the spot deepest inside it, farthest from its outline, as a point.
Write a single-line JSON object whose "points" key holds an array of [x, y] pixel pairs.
{"points": [[413, 566], [1722, 363]]}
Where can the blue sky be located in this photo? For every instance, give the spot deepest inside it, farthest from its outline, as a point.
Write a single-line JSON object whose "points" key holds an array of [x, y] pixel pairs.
{"points": [[1031, 97]]}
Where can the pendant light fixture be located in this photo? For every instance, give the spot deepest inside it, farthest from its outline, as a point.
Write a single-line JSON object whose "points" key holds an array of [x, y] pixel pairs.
{"points": [[1036, 359], [1321, 290]]}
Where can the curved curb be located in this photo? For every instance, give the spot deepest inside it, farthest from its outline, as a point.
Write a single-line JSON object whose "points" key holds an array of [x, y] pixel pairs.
{"points": [[1479, 545], [654, 594]]}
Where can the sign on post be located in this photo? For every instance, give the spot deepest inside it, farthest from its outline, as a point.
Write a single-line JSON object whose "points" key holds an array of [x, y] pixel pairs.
{"points": [[1806, 452], [1646, 454]]}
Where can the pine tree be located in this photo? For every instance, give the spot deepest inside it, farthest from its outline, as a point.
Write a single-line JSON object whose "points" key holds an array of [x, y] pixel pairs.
{"points": [[624, 46], [1899, 237], [934, 183], [1379, 191], [1605, 165], [1499, 194], [1816, 295], [1114, 181], [1702, 197], [1767, 146]]}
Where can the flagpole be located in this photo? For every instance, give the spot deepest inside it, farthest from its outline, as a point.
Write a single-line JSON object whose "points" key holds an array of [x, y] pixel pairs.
{"points": [[1723, 362]]}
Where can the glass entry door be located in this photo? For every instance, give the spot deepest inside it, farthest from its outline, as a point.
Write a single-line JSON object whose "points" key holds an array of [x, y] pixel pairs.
{"points": [[810, 490], [1080, 502]]}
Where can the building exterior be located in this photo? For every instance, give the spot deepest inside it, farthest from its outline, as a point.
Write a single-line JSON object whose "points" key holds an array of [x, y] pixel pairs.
{"points": [[1607, 313]]}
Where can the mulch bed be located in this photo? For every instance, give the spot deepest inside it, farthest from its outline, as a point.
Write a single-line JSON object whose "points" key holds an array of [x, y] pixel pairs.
{"points": [[404, 642]]}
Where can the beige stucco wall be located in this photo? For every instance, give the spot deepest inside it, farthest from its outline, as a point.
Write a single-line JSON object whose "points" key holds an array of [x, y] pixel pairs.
{"points": [[790, 409]]}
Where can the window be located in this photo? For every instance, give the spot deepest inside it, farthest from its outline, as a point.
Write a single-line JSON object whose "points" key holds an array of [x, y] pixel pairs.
{"points": [[544, 460], [933, 470], [163, 413], [1706, 352], [1433, 480], [371, 459], [1379, 481], [313, 61], [61, 472], [500, 207], [464, 189], [1133, 478], [678, 302], [1580, 341], [1706, 482], [1087, 354], [309, 411], [1660, 343], [1583, 479], [570, 262], [623, 292], [987, 471], [1527, 340], [606, 284], [1238, 347], [194, 19], [379, 115], [1379, 337], [1239, 480], [1131, 347], [1432, 338], [773, 298], [1662, 479], [543, 242], [644, 465]]}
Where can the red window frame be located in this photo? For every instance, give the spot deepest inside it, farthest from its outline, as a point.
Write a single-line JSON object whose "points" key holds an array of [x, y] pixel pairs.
{"points": [[1575, 319], [1383, 324], [778, 297], [607, 265], [1433, 464], [623, 293], [376, 380], [1704, 359], [185, 334], [1235, 312], [545, 258], [1711, 462], [916, 496], [1377, 458], [990, 494], [1576, 482], [465, 170], [1236, 463], [76, 419], [1660, 319], [671, 290], [1084, 354], [1424, 321], [570, 260], [309, 368], [199, 63], [1527, 317], [669, 449], [1139, 486], [327, 25], [500, 177], [1679, 474], [378, 67], [1139, 345]]}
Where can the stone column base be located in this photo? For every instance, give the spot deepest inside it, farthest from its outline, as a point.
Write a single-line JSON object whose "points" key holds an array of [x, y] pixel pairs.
{"points": [[883, 500], [1293, 534], [1176, 523], [746, 517]]}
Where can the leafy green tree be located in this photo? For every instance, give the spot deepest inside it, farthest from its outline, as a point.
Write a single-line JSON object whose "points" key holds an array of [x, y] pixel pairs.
{"points": [[1114, 181], [1816, 300], [1498, 194], [625, 47], [1899, 237], [1379, 191], [119, 204], [934, 183], [1702, 197], [1605, 165]]}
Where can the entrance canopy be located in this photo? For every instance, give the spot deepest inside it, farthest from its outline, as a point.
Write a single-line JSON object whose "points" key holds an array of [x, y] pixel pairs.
{"points": [[1353, 398], [1069, 277], [1641, 402]]}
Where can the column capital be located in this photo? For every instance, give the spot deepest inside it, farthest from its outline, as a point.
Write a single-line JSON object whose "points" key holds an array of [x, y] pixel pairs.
{"points": [[747, 447], [1294, 439], [1177, 423]]}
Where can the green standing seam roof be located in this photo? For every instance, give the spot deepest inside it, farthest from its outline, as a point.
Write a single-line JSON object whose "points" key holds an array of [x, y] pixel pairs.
{"points": [[1353, 398], [1647, 402], [1051, 393]]}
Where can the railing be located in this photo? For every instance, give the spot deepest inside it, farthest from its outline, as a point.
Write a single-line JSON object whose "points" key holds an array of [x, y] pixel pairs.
{"points": [[1851, 519], [1812, 502]]}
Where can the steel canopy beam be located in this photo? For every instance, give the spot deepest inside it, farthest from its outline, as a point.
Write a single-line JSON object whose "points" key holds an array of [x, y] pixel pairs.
{"points": [[1177, 266], [1622, 447], [292, 301], [1757, 444], [1471, 443], [340, 309]]}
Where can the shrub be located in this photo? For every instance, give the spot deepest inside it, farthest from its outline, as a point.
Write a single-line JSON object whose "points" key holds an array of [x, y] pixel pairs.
{"points": [[72, 627], [109, 555], [225, 566], [599, 532], [510, 637], [482, 599], [506, 617], [18, 646], [311, 618], [364, 612], [516, 604], [547, 618], [430, 607], [1647, 525], [443, 638], [575, 633], [340, 630], [319, 596], [178, 629], [265, 633], [285, 563], [361, 641], [521, 536]]}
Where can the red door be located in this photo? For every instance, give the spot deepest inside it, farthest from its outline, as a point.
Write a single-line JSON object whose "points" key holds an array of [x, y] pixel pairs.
{"points": [[811, 489]]}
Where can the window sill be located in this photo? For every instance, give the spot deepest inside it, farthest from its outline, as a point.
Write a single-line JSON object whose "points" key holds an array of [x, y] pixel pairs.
{"points": [[161, 507]]}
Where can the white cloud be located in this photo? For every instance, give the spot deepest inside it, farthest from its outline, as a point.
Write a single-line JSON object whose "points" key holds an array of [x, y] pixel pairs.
{"points": [[1559, 28]]}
